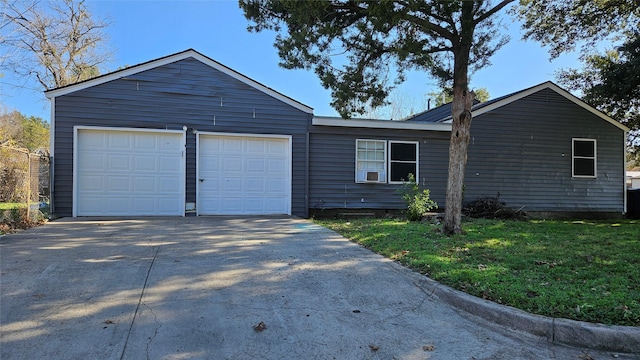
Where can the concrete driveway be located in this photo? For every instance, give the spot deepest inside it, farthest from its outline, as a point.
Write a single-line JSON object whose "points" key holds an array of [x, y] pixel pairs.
{"points": [[228, 288]]}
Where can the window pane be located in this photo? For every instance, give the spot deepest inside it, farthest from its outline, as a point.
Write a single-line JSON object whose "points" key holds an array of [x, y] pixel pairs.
{"points": [[584, 167], [401, 171], [403, 152], [583, 148]]}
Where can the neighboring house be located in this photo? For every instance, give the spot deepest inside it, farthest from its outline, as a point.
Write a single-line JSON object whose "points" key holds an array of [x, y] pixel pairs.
{"points": [[185, 134], [633, 179]]}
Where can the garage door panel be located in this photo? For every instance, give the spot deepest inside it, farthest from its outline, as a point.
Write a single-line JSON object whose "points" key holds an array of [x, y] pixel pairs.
{"points": [[92, 162], [145, 163], [253, 205], [232, 164], [92, 183], [145, 142], [119, 162], [166, 185], [118, 184], [256, 146], [274, 203], [254, 185], [238, 172], [144, 184], [169, 164], [123, 172], [255, 165], [143, 204], [119, 204], [232, 184], [119, 141], [276, 188], [231, 145], [92, 141]]}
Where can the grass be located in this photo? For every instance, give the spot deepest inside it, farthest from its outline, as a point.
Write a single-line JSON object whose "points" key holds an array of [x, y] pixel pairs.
{"points": [[12, 205], [581, 270]]}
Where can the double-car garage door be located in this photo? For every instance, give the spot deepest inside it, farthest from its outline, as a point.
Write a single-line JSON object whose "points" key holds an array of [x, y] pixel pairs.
{"points": [[142, 172]]}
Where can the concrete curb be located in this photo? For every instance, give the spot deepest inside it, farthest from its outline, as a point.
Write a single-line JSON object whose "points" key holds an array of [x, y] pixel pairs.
{"points": [[624, 339]]}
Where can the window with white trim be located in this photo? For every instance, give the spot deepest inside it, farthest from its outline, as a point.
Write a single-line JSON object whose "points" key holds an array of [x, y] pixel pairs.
{"points": [[403, 160], [583, 158], [382, 161], [371, 160]]}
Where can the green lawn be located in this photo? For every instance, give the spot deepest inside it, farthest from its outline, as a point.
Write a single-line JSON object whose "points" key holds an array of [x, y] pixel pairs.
{"points": [[10, 205], [582, 270]]}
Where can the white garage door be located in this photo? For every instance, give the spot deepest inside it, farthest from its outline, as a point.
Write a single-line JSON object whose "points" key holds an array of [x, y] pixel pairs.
{"points": [[127, 172], [243, 175]]}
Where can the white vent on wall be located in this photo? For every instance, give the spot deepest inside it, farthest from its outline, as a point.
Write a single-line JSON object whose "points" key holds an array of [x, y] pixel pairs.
{"points": [[372, 176]]}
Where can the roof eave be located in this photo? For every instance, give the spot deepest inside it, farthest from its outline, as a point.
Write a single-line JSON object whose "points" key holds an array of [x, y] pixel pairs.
{"points": [[378, 124]]}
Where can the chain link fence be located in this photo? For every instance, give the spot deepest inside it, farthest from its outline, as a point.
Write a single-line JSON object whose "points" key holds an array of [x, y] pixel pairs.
{"points": [[24, 185]]}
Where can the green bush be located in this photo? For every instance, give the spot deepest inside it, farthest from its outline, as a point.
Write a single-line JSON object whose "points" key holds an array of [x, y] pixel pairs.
{"points": [[418, 200]]}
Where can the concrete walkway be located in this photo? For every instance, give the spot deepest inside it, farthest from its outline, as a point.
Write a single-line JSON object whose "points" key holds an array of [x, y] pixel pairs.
{"points": [[229, 288]]}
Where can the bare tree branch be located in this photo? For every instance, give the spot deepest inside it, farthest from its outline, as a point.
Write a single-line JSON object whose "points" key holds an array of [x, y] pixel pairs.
{"points": [[56, 43]]}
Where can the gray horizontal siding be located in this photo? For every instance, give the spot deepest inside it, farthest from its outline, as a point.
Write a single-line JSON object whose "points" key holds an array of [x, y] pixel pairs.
{"points": [[523, 152], [332, 182], [185, 93]]}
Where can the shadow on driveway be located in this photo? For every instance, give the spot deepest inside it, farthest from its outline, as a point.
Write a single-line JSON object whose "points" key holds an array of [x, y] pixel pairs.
{"points": [[197, 287]]}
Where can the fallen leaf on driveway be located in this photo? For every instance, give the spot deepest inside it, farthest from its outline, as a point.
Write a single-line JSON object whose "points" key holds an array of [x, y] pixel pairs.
{"points": [[373, 347], [260, 327], [428, 348], [108, 322]]}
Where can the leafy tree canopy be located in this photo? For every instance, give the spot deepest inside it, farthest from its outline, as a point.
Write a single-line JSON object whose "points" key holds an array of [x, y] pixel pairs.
{"points": [[18, 130], [566, 25], [610, 81], [361, 49]]}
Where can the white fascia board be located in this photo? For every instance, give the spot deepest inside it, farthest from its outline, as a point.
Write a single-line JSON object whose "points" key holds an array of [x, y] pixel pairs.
{"points": [[171, 59], [378, 124], [147, 130], [535, 89]]}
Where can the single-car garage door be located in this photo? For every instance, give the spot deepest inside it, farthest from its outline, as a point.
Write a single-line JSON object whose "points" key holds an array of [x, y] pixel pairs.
{"points": [[243, 174], [128, 172]]}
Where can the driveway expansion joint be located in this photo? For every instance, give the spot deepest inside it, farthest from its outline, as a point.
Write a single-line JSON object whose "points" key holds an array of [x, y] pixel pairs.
{"points": [[140, 302]]}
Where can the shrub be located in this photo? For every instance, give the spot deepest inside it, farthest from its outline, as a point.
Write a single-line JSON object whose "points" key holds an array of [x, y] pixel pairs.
{"points": [[418, 200], [491, 208]]}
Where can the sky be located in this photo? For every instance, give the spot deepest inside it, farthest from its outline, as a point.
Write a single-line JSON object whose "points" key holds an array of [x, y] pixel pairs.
{"points": [[141, 31]]}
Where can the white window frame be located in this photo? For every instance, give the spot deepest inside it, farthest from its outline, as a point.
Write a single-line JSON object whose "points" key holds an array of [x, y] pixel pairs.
{"points": [[361, 176], [594, 158], [417, 161]]}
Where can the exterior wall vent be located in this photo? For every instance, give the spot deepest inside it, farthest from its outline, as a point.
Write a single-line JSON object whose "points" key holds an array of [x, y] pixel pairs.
{"points": [[373, 176]]}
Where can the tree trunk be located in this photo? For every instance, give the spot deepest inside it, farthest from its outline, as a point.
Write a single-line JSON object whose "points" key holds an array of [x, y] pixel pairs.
{"points": [[460, 134], [461, 124]]}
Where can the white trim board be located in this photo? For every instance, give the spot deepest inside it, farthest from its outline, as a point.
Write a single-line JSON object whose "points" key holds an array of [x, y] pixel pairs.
{"points": [[378, 124]]}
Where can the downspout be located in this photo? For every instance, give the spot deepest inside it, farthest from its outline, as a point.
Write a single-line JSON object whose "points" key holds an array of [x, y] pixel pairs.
{"points": [[52, 136], [306, 172]]}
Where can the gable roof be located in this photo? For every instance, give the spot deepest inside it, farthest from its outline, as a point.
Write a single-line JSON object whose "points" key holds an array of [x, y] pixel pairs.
{"points": [[190, 53], [442, 114]]}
